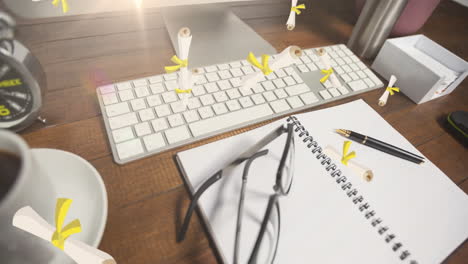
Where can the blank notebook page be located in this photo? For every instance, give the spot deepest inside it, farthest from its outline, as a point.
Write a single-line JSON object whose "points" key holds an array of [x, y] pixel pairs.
{"points": [[421, 206]]}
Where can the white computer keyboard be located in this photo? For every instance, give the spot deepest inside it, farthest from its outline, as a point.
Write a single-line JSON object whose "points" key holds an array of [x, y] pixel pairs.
{"points": [[146, 116]]}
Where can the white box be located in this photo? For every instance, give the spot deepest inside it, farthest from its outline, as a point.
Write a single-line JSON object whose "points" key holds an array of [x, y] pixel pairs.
{"points": [[425, 70]]}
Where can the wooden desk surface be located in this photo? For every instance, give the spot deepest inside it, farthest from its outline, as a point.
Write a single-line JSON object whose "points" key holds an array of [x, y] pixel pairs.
{"points": [[148, 197]]}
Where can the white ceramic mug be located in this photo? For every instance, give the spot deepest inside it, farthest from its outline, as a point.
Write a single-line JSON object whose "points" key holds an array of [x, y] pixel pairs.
{"points": [[32, 188]]}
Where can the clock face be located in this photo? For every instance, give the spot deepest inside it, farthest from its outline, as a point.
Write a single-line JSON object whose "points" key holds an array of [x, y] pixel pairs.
{"points": [[16, 99]]}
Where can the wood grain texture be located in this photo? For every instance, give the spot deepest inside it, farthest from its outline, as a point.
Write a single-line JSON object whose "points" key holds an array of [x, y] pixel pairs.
{"points": [[148, 197]]}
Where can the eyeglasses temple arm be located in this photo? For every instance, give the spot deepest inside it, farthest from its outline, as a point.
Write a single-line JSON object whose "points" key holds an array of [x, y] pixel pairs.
{"points": [[216, 177], [253, 256], [240, 209]]}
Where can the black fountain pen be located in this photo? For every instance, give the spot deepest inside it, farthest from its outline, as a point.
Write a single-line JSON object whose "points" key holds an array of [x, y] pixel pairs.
{"points": [[382, 146]]}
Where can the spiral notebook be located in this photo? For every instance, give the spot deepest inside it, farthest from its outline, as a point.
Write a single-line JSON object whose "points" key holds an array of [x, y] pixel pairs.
{"points": [[408, 213]]}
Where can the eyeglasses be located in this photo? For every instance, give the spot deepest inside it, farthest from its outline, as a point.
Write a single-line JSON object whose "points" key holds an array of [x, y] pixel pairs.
{"points": [[262, 252]]}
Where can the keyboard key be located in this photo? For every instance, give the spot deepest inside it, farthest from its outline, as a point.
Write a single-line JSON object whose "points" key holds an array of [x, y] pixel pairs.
{"points": [[225, 74], [348, 60], [346, 77], [199, 90], [280, 106], [233, 93], [341, 53], [154, 141], [325, 95], [224, 66], [361, 65], [236, 82], [340, 61], [169, 97], [312, 67], [306, 59], [170, 76], [138, 104], [212, 77], [162, 110], [289, 70], [207, 99], [235, 64], [220, 108], [146, 114], [171, 85], [279, 83], [295, 102], [269, 96], [373, 77], [126, 95], [110, 98], [177, 134], [268, 85], [339, 70], [200, 79], [327, 84], [224, 85], [245, 102], [107, 89], [258, 99], [309, 98], [123, 120], [271, 76], [369, 82], [289, 81], [211, 69], [231, 119], [159, 124], [246, 92], [280, 73], [297, 89], [354, 67], [303, 68], [142, 129], [357, 85], [141, 91], [281, 93], [191, 116], [140, 82], [361, 74], [258, 88], [343, 90], [247, 70], [178, 107], [334, 92], [175, 120], [233, 105], [155, 79], [129, 149], [297, 78], [157, 88], [205, 112], [193, 103], [124, 86], [347, 69], [354, 76], [236, 72], [153, 100], [122, 134], [117, 109]]}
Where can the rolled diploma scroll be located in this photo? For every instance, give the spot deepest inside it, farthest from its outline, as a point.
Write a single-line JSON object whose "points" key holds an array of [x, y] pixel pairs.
{"points": [[184, 38], [383, 99], [325, 59], [357, 168], [28, 220], [285, 58], [291, 23]]}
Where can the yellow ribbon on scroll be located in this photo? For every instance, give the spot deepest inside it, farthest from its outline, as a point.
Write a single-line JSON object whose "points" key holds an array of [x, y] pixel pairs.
{"points": [[183, 91], [64, 4], [347, 156], [60, 234], [327, 75], [392, 90], [180, 63], [296, 8], [264, 67]]}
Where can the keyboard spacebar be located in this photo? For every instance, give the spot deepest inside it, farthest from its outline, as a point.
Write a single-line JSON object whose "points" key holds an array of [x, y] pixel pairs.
{"points": [[206, 126]]}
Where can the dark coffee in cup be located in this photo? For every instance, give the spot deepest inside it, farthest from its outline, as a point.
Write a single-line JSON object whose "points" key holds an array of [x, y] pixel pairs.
{"points": [[10, 165]]}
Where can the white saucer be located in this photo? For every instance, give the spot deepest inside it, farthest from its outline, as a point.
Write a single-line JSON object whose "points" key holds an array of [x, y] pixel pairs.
{"points": [[74, 178]]}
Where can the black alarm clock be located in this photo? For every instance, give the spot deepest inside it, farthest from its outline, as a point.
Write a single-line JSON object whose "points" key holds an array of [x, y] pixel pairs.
{"points": [[21, 80]]}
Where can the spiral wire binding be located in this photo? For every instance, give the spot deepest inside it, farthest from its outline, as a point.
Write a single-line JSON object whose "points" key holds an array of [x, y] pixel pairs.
{"points": [[347, 187]]}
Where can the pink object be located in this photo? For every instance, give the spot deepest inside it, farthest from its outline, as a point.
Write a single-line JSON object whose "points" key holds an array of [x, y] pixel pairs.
{"points": [[413, 17]]}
